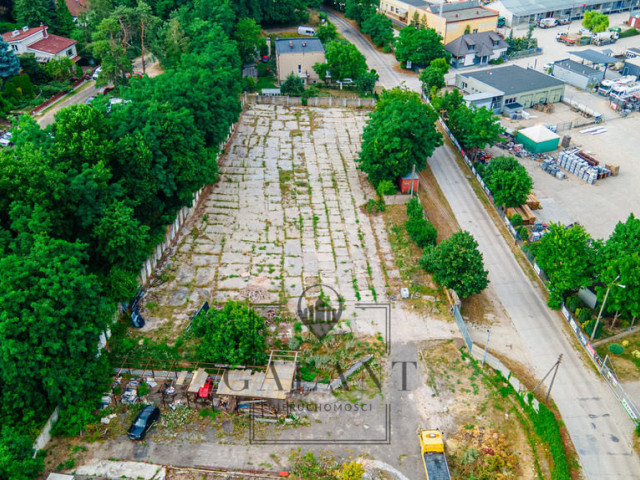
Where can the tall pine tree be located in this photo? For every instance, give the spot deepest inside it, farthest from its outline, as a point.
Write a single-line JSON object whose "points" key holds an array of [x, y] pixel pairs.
{"points": [[32, 12], [9, 63], [64, 20]]}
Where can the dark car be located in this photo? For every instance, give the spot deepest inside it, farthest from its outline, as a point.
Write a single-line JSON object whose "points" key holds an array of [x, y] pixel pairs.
{"points": [[564, 21], [143, 422]]}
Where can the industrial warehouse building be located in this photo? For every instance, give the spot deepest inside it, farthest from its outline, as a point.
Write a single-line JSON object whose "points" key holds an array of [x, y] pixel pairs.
{"points": [[577, 74], [517, 12], [507, 86]]}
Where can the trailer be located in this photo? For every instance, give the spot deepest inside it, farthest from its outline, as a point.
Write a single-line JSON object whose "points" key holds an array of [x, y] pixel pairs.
{"points": [[433, 457]]}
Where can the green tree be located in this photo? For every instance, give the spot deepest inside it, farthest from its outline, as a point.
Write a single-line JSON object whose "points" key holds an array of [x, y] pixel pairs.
{"points": [[16, 456], [457, 263], [327, 32], [293, 85], [421, 231], [9, 63], [595, 21], [620, 257], [33, 68], [110, 45], [414, 208], [344, 60], [172, 44], [360, 10], [64, 20], [441, 64], [432, 79], [568, 257], [379, 28], [18, 88], [399, 134], [420, 46], [367, 82], [248, 36], [508, 181], [32, 12], [52, 315], [61, 68], [283, 12], [233, 335]]}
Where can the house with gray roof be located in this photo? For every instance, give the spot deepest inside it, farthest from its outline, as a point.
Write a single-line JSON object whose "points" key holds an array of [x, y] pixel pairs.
{"points": [[510, 85], [476, 49], [298, 56], [517, 12]]}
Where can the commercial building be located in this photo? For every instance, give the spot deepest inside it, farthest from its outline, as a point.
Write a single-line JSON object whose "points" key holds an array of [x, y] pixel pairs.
{"points": [[450, 20], [510, 85], [476, 49], [298, 56], [44, 45], [631, 66], [577, 74], [517, 12]]}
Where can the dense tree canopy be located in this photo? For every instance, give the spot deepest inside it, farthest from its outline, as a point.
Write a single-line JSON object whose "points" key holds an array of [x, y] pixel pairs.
{"points": [[567, 256], [360, 10], [399, 134], [457, 263], [379, 27], [344, 60], [509, 182], [420, 46], [595, 21]]}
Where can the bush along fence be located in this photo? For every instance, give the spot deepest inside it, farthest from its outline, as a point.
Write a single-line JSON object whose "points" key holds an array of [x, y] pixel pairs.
{"points": [[342, 102], [609, 376]]}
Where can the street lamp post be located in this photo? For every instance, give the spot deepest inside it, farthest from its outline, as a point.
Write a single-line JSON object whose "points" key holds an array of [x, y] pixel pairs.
{"points": [[595, 329]]}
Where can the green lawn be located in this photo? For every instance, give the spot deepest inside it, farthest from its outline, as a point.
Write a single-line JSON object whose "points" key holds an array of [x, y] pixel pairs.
{"points": [[266, 82]]}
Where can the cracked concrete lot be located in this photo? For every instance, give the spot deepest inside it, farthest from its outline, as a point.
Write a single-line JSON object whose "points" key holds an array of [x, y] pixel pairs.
{"points": [[285, 215]]}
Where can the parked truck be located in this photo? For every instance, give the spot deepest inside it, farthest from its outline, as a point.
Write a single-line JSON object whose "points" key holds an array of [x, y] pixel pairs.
{"points": [[604, 38], [433, 457]]}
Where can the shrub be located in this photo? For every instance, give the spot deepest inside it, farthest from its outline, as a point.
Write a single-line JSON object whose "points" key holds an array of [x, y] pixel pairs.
{"points": [[638, 429], [295, 343], [625, 343], [143, 389], [629, 33], [293, 86], [386, 187], [516, 220], [73, 419], [573, 303], [421, 231], [248, 84], [414, 209], [584, 314], [375, 206], [523, 232], [616, 349], [497, 61]]}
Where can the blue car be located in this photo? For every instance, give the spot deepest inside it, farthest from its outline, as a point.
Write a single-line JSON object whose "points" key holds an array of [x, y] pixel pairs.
{"points": [[143, 422]]}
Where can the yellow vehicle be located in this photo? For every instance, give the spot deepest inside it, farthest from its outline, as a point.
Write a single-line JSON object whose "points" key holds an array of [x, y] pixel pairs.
{"points": [[433, 457]]}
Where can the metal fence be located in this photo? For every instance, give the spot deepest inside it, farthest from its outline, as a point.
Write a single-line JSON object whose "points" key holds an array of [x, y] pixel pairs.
{"points": [[608, 375], [341, 102], [462, 325]]}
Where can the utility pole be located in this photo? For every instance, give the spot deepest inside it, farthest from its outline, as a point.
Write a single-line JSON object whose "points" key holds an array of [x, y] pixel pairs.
{"points": [[606, 295], [553, 369], [486, 346]]}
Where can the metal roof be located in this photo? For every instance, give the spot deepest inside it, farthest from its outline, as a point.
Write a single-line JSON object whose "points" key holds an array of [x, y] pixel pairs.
{"points": [[298, 45], [415, 3], [576, 67], [595, 57], [531, 7], [539, 133], [465, 14], [513, 79]]}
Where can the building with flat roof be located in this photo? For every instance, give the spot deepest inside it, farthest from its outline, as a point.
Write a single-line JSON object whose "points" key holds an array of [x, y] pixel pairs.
{"points": [[298, 56], [450, 20], [517, 12], [512, 84], [577, 74]]}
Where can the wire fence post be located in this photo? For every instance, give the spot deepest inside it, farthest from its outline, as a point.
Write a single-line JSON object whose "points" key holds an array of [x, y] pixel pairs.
{"points": [[486, 346]]}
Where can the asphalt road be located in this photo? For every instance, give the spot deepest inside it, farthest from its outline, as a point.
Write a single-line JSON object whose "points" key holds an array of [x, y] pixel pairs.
{"points": [[599, 427], [86, 90]]}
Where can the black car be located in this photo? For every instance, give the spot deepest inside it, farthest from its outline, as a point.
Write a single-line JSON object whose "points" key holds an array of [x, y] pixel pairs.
{"points": [[143, 422]]}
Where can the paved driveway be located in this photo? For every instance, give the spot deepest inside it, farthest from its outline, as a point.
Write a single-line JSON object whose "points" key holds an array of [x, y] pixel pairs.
{"points": [[601, 431]]}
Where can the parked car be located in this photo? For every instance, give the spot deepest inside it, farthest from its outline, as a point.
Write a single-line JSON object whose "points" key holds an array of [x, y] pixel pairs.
{"points": [[104, 90], [96, 73], [143, 422], [564, 21], [303, 30], [89, 100], [5, 140], [548, 23]]}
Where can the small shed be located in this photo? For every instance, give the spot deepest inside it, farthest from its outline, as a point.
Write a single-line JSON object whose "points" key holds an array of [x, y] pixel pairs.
{"points": [[407, 181], [634, 19], [577, 74], [538, 139]]}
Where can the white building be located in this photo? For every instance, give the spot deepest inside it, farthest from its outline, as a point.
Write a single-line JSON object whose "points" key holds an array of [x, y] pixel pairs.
{"points": [[43, 45]]}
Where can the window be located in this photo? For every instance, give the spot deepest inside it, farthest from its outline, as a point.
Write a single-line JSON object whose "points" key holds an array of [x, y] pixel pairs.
{"points": [[475, 30], [299, 68], [70, 52], [464, 84], [510, 100], [15, 48]]}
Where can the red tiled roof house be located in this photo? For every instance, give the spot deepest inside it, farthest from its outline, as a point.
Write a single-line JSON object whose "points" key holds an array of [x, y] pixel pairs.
{"points": [[77, 8], [44, 45]]}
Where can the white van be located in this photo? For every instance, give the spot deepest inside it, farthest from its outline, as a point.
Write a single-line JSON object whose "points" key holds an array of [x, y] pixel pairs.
{"points": [[548, 23], [306, 31]]}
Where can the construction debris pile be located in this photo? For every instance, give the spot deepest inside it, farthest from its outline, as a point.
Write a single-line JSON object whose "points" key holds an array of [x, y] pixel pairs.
{"points": [[550, 166], [583, 166]]}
